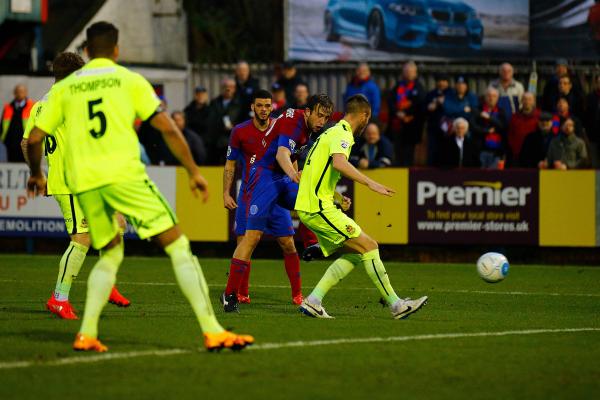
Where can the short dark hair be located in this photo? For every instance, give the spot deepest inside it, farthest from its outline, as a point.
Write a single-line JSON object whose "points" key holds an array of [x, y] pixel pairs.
{"points": [[321, 101], [101, 39], [357, 104], [65, 64], [261, 94]]}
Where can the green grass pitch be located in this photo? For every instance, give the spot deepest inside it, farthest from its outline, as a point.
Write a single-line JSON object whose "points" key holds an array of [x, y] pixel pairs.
{"points": [[535, 335]]}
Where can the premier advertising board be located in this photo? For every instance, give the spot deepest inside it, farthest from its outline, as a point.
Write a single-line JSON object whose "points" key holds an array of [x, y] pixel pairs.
{"points": [[478, 207]]}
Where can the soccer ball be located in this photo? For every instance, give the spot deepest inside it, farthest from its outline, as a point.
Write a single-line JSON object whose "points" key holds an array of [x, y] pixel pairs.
{"points": [[492, 267]]}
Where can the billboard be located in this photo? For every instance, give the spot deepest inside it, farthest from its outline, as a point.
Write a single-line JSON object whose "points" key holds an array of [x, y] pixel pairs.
{"points": [[473, 206], [565, 28], [392, 30]]}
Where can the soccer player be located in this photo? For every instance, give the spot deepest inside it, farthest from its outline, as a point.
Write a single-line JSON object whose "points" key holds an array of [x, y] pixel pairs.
{"points": [[98, 105], [76, 224], [245, 145], [271, 187], [326, 161]]}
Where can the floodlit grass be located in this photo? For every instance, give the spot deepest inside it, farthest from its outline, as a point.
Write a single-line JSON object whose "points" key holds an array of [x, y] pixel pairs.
{"points": [[539, 358]]}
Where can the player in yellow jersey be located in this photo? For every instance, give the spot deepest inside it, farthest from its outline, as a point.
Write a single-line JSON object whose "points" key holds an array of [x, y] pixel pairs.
{"points": [[98, 105], [75, 222], [326, 161]]}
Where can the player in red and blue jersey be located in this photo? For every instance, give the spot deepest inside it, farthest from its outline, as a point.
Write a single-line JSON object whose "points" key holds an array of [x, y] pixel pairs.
{"points": [[247, 147], [271, 187]]}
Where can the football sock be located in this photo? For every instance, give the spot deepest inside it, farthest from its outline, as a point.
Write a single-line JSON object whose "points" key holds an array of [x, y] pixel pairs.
{"points": [[100, 283], [245, 284], [192, 283], [292, 267], [69, 267], [307, 236], [334, 274], [379, 276], [237, 269]]}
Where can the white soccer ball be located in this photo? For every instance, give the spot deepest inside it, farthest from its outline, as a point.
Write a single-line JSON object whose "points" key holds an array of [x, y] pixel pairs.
{"points": [[492, 267]]}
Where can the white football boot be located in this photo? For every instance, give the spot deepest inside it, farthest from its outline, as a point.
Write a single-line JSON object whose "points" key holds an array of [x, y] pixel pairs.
{"points": [[404, 307], [313, 310]]}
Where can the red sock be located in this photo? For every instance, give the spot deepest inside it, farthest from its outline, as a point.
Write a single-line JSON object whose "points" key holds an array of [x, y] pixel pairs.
{"points": [[292, 267], [244, 286], [307, 236], [237, 270]]}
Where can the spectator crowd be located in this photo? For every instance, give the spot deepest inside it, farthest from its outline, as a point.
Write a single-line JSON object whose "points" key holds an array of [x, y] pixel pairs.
{"points": [[506, 127]]}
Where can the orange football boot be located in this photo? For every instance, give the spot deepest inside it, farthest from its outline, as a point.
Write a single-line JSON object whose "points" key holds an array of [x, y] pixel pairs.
{"points": [[62, 309], [226, 340], [118, 299], [86, 343]]}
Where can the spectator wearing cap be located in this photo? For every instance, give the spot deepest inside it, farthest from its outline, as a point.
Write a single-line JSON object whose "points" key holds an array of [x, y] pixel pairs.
{"points": [[372, 150], [458, 149], [510, 90], [289, 79], [522, 124], [566, 150], [14, 118], [536, 144], [552, 90], [197, 113], [245, 85], [407, 114], [300, 96], [592, 115], [363, 83], [489, 127], [226, 111], [435, 111], [280, 103], [460, 102]]}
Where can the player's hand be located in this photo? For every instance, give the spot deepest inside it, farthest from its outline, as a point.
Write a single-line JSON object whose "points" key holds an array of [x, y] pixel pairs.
{"points": [[346, 203], [296, 176], [229, 202], [198, 182], [381, 189], [36, 185], [560, 165]]}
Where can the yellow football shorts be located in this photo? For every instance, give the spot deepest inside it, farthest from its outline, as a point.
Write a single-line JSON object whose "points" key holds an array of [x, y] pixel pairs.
{"points": [[140, 201], [332, 228], [75, 221]]}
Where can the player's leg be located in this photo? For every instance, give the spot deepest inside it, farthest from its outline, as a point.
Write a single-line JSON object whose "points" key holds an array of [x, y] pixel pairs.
{"points": [[72, 260], [371, 261], [116, 297], [152, 217], [244, 291], [281, 226], [105, 235]]}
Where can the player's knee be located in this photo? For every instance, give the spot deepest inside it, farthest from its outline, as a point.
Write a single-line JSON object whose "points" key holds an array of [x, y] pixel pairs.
{"points": [[252, 238], [114, 251], [287, 244], [82, 239], [370, 244]]}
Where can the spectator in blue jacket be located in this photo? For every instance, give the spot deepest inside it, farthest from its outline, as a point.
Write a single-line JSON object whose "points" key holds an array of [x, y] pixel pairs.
{"points": [[372, 150], [362, 83], [460, 102]]}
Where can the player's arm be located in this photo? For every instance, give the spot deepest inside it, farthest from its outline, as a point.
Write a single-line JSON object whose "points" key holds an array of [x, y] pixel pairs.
{"points": [[24, 150], [180, 149], [36, 185], [228, 175], [341, 164], [284, 158]]}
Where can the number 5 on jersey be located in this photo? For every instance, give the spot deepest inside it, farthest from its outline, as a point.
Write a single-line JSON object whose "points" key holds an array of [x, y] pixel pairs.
{"points": [[92, 114]]}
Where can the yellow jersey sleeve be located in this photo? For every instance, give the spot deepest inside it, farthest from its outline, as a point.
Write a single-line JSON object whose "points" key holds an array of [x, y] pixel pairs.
{"points": [[35, 110], [51, 115], [341, 142], [144, 98]]}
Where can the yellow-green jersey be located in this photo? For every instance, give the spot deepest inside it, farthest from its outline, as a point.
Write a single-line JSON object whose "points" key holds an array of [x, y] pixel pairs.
{"points": [[319, 178], [97, 106], [53, 150]]}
